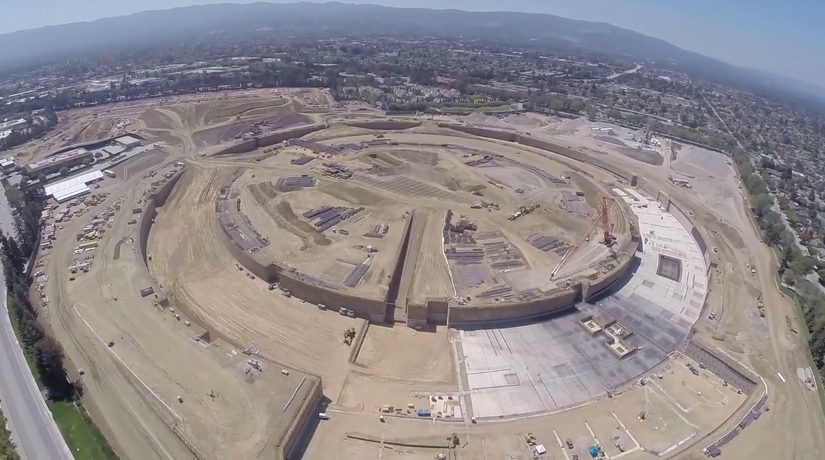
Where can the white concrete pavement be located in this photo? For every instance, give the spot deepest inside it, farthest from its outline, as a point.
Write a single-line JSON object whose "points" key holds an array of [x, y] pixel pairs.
{"points": [[29, 419]]}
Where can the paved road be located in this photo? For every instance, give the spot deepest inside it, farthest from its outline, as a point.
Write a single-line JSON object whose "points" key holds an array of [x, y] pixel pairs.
{"points": [[30, 421]]}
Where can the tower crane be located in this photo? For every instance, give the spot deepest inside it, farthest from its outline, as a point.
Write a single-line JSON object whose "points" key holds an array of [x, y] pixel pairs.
{"points": [[602, 220]]}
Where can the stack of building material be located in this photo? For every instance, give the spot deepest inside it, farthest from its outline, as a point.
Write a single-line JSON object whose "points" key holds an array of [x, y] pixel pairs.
{"points": [[356, 275], [547, 243], [302, 160], [498, 291], [465, 257]]}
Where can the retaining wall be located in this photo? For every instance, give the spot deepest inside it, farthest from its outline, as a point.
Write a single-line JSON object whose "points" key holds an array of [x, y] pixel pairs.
{"points": [[307, 414], [373, 309], [280, 136], [274, 138], [438, 310], [535, 143], [433, 312], [416, 315], [413, 234], [596, 289], [150, 211], [269, 139], [488, 316], [389, 125], [397, 278]]}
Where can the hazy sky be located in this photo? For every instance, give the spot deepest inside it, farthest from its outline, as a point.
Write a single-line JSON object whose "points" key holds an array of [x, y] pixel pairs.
{"points": [[785, 37]]}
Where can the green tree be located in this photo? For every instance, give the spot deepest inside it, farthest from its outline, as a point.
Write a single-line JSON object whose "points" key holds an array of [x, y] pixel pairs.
{"points": [[591, 112], [787, 255], [761, 204], [64, 171]]}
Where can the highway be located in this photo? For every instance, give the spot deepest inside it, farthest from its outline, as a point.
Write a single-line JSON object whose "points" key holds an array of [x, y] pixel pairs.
{"points": [[29, 419]]}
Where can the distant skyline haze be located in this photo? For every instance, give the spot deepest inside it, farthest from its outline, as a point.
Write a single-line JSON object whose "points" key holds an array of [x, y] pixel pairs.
{"points": [[785, 38]]}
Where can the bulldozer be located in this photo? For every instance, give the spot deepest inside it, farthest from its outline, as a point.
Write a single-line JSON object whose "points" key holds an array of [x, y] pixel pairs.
{"points": [[349, 335]]}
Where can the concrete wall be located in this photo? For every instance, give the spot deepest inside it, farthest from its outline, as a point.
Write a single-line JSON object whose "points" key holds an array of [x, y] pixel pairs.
{"points": [[488, 316], [384, 125], [269, 139], [596, 289], [274, 138], [535, 143], [307, 414], [437, 311], [242, 147], [373, 309], [416, 315], [364, 307], [434, 312], [413, 234], [395, 287], [154, 201]]}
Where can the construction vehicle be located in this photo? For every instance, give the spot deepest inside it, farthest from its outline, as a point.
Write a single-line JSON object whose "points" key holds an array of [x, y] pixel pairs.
{"points": [[349, 335], [523, 211], [344, 311]]}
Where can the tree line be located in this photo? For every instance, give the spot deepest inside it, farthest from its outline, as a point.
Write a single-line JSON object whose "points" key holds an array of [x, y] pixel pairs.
{"points": [[794, 264], [8, 451], [37, 343]]}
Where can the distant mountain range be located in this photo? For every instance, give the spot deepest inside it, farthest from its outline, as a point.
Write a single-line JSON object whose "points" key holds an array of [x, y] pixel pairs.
{"points": [[157, 27]]}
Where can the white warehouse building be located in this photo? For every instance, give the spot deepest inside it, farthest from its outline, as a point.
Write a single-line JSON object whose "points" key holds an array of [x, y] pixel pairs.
{"points": [[73, 187]]}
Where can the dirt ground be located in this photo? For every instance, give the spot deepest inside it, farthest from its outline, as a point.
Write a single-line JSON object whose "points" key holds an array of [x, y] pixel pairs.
{"points": [[132, 388], [431, 278], [609, 423], [200, 392]]}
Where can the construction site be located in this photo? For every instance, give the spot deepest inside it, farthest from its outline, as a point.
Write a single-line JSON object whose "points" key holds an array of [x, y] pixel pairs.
{"points": [[286, 283]]}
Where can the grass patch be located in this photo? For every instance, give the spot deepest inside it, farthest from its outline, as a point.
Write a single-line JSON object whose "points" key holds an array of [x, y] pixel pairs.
{"points": [[81, 434], [805, 336]]}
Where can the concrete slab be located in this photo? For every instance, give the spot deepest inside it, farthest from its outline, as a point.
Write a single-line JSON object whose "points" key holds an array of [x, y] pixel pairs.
{"points": [[558, 364]]}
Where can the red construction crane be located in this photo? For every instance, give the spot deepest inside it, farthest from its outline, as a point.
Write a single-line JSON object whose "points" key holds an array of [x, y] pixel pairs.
{"points": [[601, 220], [604, 221]]}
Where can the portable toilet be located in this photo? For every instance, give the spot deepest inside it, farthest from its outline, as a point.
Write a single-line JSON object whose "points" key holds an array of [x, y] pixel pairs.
{"points": [[594, 451]]}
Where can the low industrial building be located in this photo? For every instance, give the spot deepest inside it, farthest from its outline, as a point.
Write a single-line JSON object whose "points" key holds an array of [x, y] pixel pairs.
{"points": [[73, 187], [13, 125], [127, 142], [54, 163], [113, 150], [7, 165]]}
